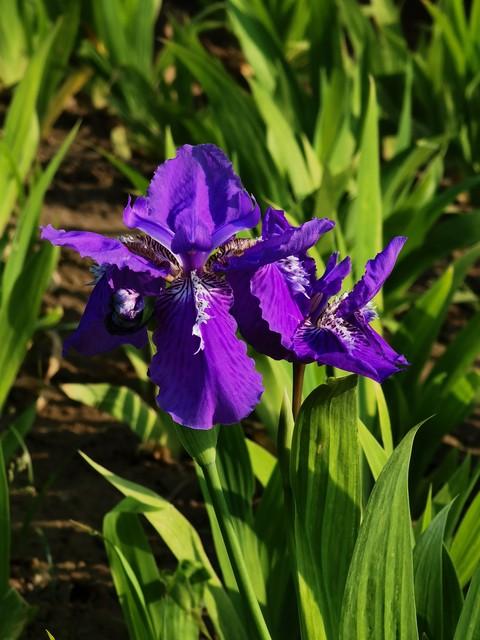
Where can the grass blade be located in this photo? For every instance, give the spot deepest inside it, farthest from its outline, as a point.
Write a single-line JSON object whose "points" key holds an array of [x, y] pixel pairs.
{"points": [[379, 597]]}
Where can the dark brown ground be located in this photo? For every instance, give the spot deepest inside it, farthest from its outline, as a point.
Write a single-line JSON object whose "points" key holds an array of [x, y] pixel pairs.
{"points": [[56, 565]]}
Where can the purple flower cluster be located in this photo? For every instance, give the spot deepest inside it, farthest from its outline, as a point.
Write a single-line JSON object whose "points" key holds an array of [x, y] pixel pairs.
{"points": [[183, 269]]}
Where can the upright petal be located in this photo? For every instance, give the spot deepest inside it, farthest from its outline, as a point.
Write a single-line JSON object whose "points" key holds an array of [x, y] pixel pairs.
{"points": [[92, 335], [274, 223], [104, 250], [329, 284], [202, 369], [377, 271], [199, 199]]}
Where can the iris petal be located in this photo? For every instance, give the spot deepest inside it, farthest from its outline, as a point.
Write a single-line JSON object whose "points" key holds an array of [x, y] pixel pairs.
{"points": [[103, 250], [356, 348], [137, 215], [294, 241], [199, 199], [92, 336], [377, 271], [266, 310], [202, 369]]}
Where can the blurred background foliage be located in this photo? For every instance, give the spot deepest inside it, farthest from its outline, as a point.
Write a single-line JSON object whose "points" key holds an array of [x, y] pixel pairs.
{"points": [[367, 113]]}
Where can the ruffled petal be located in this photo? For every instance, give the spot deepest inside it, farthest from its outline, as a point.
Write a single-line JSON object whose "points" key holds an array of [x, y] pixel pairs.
{"points": [[355, 348], [198, 197], [202, 369], [103, 250], [295, 241], [377, 271], [92, 335]]}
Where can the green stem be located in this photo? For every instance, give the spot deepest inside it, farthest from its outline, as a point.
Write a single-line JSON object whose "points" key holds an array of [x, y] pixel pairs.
{"points": [[298, 375], [234, 551]]}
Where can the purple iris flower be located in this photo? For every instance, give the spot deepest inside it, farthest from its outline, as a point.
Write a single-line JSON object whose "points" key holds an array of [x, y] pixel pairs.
{"points": [[175, 262], [291, 315]]}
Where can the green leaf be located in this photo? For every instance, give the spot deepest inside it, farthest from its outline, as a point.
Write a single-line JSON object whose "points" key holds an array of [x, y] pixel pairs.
{"points": [[15, 615], [422, 323], [272, 528], [122, 546], [181, 608], [185, 544], [128, 31], [21, 129], [374, 452], [18, 318], [283, 145], [326, 488], [123, 404], [468, 627], [262, 461], [384, 419], [16, 432], [4, 527], [13, 43], [367, 225], [459, 356], [137, 180], [133, 568], [379, 597], [465, 549], [27, 224], [277, 378], [429, 579], [404, 133], [452, 596]]}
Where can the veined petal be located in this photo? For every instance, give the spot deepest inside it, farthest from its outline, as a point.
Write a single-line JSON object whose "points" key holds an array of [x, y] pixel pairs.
{"points": [[104, 250], [200, 199], [355, 348], [377, 271], [92, 335], [202, 369], [266, 310]]}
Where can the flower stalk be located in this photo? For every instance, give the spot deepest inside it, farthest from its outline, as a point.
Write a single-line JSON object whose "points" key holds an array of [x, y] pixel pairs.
{"points": [[297, 391], [201, 445], [229, 536]]}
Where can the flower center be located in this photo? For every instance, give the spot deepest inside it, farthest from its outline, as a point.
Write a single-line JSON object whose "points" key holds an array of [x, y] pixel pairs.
{"points": [[148, 248], [330, 320]]}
